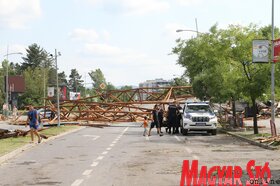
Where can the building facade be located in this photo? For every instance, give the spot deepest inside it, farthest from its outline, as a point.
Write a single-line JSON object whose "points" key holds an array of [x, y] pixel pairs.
{"points": [[157, 83]]}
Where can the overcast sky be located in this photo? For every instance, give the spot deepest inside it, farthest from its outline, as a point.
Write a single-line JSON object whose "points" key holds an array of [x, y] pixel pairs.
{"points": [[129, 40]]}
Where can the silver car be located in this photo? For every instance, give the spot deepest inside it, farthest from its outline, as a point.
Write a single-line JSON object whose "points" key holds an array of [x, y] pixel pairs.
{"points": [[48, 113]]}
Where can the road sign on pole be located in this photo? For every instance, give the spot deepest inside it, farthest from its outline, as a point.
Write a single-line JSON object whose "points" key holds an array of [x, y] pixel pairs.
{"points": [[260, 51], [276, 50], [102, 85]]}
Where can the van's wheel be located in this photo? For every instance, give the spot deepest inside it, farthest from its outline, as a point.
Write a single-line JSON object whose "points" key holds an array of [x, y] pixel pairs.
{"points": [[214, 132]]}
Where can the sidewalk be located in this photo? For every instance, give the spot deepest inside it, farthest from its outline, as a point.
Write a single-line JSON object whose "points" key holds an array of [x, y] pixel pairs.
{"points": [[7, 126], [18, 150], [265, 131], [266, 123]]}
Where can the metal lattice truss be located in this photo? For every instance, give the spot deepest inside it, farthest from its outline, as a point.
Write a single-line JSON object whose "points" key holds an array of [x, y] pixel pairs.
{"points": [[120, 105]]}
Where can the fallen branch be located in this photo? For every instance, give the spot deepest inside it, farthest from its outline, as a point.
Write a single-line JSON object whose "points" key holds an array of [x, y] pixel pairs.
{"points": [[271, 140], [24, 133]]}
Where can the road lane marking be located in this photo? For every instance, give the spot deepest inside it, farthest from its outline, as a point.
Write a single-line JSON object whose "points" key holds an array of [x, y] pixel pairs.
{"points": [[100, 157], [94, 164], [125, 130], [177, 138], [189, 150], [94, 137], [105, 152], [77, 182], [195, 157], [147, 138], [87, 172]]}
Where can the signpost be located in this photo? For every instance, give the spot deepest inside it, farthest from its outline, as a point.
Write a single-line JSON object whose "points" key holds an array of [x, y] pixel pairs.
{"points": [[260, 51], [50, 92], [102, 86], [276, 50]]}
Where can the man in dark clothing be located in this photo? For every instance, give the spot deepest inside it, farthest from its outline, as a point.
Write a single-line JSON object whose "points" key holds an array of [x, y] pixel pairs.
{"points": [[160, 118], [155, 121], [171, 118], [178, 118], [33, 121]]}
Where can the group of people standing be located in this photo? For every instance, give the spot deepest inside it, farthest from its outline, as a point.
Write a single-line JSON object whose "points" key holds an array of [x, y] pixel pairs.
{"points": [[173, 120]]}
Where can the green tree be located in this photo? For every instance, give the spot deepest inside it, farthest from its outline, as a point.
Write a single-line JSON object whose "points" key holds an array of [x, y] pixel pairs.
{"points": [[219, 65], [36, 57], [62, 78], [75, 81], [11, 71], [33, 87], [2, 82], [206, 61], [180, 81], [98, 78], [110, 87], [126, 87], [255, 80], [125, 96], [52, 77]]}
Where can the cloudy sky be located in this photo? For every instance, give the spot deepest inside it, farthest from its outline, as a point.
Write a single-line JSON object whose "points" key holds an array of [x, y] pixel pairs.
{"points": [[129, 40]]}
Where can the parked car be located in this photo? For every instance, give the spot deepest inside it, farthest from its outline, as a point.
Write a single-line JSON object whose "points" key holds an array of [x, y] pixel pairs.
{"points": [[198, 116], [48, 113]]}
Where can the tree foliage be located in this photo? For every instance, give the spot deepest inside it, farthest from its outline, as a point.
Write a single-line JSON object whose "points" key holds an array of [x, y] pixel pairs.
{"points": [[219, 64], [98, 78], [38, 71], [75, 81], [36, 57], [33, 87]]}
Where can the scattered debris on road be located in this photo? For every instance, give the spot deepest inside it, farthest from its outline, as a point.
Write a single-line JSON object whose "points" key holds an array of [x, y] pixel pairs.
{"points": [[275, 141], [15, 133]]}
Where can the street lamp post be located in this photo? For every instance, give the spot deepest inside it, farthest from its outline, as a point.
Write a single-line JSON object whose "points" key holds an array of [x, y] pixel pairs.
{"points": [[188, 30], [44, 85], [57, 88], [272, 72], [7, 76]]}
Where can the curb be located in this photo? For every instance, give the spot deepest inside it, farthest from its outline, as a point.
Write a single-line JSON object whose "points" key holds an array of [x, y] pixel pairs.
{"points": [[29, 146], [249, 141]]}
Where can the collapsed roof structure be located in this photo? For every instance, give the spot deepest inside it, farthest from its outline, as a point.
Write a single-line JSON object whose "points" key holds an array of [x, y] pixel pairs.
{"points": [[120, 105]]}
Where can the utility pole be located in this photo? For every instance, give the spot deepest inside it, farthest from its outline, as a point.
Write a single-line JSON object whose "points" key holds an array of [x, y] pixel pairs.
{"points": [[44, 88], [7, 83], [57, 88], [272, 122], [7, 78], [196, 25]]}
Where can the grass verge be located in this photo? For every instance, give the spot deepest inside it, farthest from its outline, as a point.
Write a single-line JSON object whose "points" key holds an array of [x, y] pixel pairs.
{"points": [[254, 137], [9, 144]]}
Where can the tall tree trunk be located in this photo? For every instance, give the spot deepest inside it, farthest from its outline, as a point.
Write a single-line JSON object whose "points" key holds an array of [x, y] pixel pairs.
{"points": [[256, 130], [233, 111]]}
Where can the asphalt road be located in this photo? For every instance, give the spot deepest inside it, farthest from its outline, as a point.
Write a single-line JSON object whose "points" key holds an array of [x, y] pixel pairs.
{"points": [[121, 156]]}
